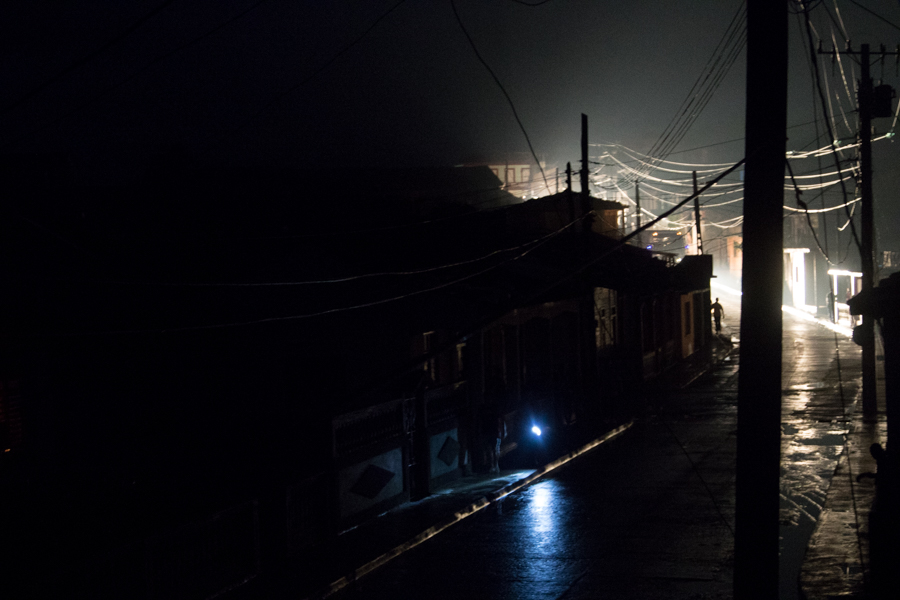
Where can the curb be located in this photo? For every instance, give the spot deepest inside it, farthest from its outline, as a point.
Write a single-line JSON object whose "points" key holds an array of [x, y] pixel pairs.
{"points": [[458, 516]]}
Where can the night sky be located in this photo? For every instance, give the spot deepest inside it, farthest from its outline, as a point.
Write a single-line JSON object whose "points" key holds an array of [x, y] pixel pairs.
{"points": [[354, 85]]}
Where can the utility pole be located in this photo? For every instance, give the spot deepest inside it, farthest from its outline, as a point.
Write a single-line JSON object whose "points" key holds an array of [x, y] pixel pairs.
{"points": [[699, 241], [869, 393], [637, 200], [868, 108], [758, 466], [585, 165]]}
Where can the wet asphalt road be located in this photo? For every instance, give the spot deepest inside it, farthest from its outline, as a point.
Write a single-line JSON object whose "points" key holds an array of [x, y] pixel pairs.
{"points": [[649, 515]]}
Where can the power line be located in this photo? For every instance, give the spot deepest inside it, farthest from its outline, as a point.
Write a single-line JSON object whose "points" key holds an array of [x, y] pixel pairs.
{"points": [[330, 311], [875, 14], [523, 3], [304, 81], [703, 88], [837, 163], [88, 57], [331, 281], [150, 64], [731, 141], [502, 89], [619, 244]]}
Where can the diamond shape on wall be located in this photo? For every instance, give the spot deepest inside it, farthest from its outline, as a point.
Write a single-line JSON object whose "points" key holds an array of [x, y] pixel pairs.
{"points": [[372, 481], [449, 451]]}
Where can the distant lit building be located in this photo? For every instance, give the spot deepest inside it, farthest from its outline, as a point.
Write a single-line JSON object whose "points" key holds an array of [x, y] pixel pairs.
{"points": [[520, 175]]}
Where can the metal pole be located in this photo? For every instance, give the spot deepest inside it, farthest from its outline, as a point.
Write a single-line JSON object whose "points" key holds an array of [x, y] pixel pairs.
{"points": [[759, 379], [869, 396]]}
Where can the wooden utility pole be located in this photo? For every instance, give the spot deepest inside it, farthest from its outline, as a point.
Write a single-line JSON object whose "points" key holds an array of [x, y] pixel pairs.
{"points": [[759, 379], [867, 339], [868, 109], [698, 243], [585, 180], [637, 200]]}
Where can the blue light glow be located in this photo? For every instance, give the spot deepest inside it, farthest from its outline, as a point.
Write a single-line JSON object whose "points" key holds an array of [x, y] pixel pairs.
{"points": [[536, 430]]}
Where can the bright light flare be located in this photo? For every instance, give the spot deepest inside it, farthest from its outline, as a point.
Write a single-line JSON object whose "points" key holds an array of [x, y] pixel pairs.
{"points": [[725, 288], [536, 430]]}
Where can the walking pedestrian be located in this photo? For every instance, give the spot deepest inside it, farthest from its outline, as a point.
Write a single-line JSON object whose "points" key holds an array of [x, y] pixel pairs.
{"points": [[718, 313]]}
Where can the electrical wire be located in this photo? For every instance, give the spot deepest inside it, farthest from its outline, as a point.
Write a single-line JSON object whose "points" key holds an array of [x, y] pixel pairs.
{"points": [[822, 210], [818, 79], [75, 65], [875, 14], [589, 263], [805, 209], [331, 311], [332, 281], [162, 57], [502, 89], [291, 89], [704, 86]]}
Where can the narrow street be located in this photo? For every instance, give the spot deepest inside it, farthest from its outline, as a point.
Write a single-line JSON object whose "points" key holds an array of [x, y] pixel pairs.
{"points": [[649, 515]]}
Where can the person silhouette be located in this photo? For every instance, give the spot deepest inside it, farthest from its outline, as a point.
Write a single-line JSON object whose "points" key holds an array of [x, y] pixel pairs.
{"points": [[718, 313]]}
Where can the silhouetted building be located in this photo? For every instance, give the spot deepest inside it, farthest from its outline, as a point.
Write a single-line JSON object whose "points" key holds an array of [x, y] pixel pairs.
{"points": [[209, 372]]}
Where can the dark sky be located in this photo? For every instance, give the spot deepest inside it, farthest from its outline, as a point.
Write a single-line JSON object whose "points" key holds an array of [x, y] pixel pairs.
{"points": [[278, 84], [412, 91]]}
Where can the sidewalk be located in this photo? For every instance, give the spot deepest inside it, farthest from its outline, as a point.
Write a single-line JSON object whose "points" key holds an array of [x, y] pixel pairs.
{"points": [[378, 540], [838, 561]]}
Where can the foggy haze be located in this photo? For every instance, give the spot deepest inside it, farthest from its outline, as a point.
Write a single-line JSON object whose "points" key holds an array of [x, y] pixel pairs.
{"points": [[388, 84]]}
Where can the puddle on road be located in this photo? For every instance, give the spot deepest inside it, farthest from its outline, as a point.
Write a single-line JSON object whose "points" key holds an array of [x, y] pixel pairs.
{"points": [[809, 452], [816, 385]]}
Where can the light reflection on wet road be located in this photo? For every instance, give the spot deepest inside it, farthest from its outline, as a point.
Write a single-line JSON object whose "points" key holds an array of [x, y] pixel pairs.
{"points": [[634, 519], [813, 426]]}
